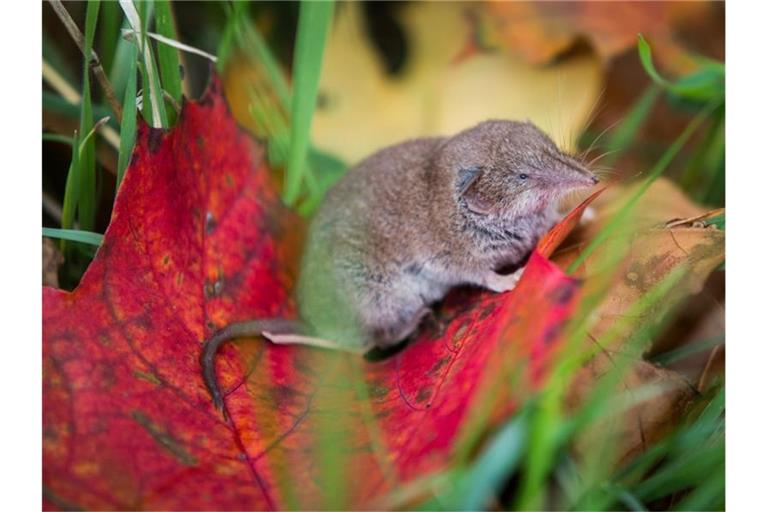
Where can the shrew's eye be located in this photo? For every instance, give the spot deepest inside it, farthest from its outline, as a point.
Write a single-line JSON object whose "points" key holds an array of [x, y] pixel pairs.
{"points": [[523, 176]]}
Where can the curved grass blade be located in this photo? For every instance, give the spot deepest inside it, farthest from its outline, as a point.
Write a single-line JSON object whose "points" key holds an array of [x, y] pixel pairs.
{"points": [[644, 51], [74, 235], [705, 84], [72, 187]]}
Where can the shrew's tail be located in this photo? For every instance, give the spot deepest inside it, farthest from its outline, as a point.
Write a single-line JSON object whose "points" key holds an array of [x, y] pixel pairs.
{"points": [[248, 329]]}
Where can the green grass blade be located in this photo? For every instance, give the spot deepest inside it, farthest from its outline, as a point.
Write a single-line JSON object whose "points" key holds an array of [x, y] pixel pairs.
{"points": [[153, 102], [74, 235], [314, 23], [705, 84], [701, 171], [251, 41], [620, 216], [87, 198], [622, 137], [55, 137], [153, 92], [128, 126], [271, 117], [628, 499], [551, 428], [52, 102], [494, 465], [109, 34], [687, 470], [695, 347], [118, 74], [543, 444], [708, 495], [228, 39], [72, 187], [714, 162], [644, 51], [167, 56]]}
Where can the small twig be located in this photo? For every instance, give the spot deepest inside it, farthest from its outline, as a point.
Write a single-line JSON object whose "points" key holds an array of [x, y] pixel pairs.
{"points": [[172, 101], [93, 60]]}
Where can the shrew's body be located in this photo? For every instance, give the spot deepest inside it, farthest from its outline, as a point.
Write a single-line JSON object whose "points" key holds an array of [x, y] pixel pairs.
{"points": [[409, 223]]}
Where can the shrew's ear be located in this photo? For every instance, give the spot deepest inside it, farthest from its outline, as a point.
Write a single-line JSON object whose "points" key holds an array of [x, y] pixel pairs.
{"points": [[468, 187], [467, 176]]}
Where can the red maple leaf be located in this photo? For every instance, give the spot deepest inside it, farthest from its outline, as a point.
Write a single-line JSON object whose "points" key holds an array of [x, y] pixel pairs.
{"points": [[199, 239]]}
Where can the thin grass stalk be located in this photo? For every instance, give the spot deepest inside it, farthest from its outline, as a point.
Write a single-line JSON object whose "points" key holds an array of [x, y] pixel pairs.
{"points": [[314, 23]]}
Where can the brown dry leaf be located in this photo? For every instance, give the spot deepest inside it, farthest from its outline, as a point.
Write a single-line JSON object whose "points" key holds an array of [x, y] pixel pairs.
{"points": [[539, 32], [365, 109], [639, 426], [650, 253], [714, 370]]}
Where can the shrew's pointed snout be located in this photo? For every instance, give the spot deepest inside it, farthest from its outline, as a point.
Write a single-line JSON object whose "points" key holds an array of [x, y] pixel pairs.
{"points": [[570, 173], [580, 177], [584, 176]]}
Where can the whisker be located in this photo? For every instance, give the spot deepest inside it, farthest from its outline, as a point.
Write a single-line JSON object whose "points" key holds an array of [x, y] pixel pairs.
{"points": [[606, 175], [560, 110], [573, 197], [602, 170], [598, 157], [592, 114], [599, 136]]}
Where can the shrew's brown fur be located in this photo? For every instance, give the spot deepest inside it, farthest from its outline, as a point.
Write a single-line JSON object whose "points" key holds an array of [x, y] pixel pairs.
{"points": [[418, 218]]}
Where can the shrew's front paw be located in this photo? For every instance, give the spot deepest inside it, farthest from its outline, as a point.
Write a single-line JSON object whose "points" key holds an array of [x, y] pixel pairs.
{"points": [[502, 282]]}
